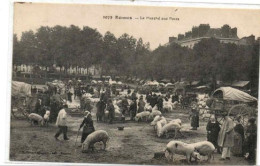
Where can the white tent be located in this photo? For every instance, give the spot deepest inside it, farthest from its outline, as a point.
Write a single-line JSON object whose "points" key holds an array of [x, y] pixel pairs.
{"points": [[152, 83], [21, 89], [234, 94]]}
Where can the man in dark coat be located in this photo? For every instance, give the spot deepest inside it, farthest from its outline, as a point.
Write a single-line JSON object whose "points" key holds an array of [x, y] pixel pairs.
{"points": [[160, 103], [239, 138], [251, 140], [69, 94], [101, 105], [124, 105], [133, 109], [128, 91], [194, 116], [141, 104], [175, 98], [91, 90], [38, 106], [153, 100], [111, 110], [133, 96], [148, 97], [213, 128]]}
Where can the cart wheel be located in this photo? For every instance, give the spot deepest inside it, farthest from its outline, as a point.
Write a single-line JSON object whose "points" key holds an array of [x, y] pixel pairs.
{"points": [[240, 110]]}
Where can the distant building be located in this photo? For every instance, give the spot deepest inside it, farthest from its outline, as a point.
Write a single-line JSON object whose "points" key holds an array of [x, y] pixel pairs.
{"points": [[225, 34], [247, 40], [93, 70]]}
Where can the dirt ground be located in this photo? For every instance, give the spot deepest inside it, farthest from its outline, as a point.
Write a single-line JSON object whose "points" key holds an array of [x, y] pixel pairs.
{"points": [[136, 144]]}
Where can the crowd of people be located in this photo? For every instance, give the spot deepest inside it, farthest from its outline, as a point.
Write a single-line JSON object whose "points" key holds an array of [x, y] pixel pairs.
{"points": [[229, 137]]}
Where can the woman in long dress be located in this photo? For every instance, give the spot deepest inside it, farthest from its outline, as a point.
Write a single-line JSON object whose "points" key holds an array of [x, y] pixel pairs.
{"points": [[87, 125], [237, 150], [213, 128], [194, 116], [251, 140]]}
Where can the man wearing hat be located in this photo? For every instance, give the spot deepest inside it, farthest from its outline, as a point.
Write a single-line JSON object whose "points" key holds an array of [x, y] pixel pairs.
{"points": [[87, 125], [194, 117], [239, 135], [133, 109], [160, 103], [213, 128], [111, 110], [226, 136], [101, 105], [141, 104], [124, 105], [61, 122], [251, 140]]}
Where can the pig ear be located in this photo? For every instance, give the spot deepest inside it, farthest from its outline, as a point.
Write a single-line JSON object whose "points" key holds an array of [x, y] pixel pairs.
{"points": [[176, 145]]}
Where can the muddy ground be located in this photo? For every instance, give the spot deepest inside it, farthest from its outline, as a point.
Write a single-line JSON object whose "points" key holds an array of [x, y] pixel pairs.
{"points": [[136, 144]]}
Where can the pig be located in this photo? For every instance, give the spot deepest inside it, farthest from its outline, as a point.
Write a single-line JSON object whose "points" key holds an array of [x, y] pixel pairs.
{"points": [[181, 148], [96, 136], [205, 148], [154, 113], [33, 117], [176, 121], [170, 127], [142, 116]]}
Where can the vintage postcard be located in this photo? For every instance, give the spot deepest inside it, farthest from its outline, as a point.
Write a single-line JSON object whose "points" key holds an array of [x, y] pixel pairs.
{"points": [[122, 84]]}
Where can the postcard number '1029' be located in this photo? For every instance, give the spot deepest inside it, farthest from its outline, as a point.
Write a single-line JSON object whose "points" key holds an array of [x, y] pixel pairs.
{"points": [[107, 17]]}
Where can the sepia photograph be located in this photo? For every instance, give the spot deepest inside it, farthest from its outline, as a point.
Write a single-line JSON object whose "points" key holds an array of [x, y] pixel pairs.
{"points": [[132, 84]]}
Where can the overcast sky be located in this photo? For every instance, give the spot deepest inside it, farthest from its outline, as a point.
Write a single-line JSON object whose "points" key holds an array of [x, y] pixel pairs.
{"points": [[32, 16]]}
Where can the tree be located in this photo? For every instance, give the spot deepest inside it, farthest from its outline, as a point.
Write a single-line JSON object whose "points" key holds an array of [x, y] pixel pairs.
{"points": [[206, 62], [110, 49], [45, 46], [17, 57], [91, 47], [29, 49], [126, 51]]}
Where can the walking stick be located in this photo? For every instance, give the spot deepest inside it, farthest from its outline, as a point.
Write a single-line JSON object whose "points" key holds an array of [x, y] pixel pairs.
{"points": [[77, 137]]}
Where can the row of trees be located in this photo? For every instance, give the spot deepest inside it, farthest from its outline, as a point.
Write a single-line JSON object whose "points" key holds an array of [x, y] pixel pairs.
{"points": [[71, 46], [209, 60]]}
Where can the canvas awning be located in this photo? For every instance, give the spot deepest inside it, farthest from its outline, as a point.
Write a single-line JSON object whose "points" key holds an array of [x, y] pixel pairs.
{"points": [[234, 94], [21, 89]]}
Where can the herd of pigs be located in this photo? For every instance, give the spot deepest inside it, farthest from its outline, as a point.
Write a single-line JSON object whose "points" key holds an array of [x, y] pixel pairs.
{"points": [[161, 126]]}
